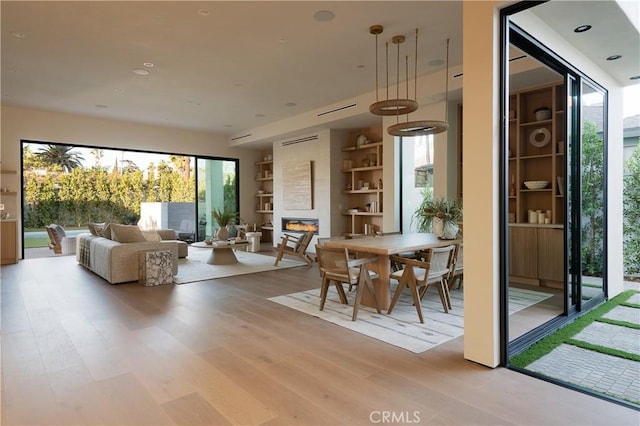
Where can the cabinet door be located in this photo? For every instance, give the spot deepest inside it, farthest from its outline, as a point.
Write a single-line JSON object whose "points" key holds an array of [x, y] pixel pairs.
{"points": [[8, 238], [551, 254], [523, 252]]}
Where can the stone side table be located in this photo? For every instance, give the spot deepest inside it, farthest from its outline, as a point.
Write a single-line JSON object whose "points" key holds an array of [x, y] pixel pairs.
{"points": [[155, 267]]}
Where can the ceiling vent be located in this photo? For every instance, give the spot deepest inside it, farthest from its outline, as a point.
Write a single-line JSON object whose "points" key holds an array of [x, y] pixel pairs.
{"points": [[342, 108], [300, 140], [240, 137]]}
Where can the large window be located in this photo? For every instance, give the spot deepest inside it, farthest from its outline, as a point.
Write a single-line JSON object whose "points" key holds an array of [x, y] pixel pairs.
{"points": [[73, 185]]}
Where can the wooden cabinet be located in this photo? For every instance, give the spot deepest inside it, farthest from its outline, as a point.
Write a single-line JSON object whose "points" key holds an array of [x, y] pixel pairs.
{"points": [[8, 242], [551, 254], [264, 194], [363, 170], [536, 254], [536, 153]]}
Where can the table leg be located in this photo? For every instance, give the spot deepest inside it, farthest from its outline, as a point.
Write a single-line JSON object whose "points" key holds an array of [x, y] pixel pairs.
{"points": [[222, 256], [381, 285]]}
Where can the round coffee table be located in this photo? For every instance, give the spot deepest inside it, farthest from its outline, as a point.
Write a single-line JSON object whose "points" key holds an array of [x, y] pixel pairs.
{"points": [[222, 252]]}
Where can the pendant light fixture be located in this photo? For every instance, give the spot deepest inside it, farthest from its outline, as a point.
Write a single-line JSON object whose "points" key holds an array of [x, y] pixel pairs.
{"points": [[388, 106], [425, 127]]}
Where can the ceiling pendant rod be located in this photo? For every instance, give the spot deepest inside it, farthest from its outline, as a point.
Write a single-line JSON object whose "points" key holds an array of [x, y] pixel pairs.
{"points": [[391, 106], [446, 88]]}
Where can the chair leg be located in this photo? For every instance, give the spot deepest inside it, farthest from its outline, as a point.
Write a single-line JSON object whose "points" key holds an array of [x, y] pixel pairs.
{"points": [[372, 291], [447, 294], [416, 300], [340, 290], [443, 297], [356, 302], [402, 283], [323, 292], [278, 257]]}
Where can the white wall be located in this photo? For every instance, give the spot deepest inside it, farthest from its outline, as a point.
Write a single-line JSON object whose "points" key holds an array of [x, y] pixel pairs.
{"points": [[45, 126]]}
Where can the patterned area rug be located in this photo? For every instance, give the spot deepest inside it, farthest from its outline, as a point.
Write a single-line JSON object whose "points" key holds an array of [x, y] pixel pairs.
{"points": [[194, 267], [402, 328]]}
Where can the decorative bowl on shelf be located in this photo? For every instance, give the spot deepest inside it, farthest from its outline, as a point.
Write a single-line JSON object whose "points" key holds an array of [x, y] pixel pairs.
{"points": [[542, 113], [536, 184]]}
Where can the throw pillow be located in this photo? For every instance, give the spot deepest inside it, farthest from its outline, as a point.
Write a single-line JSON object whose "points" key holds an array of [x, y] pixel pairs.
{"points": [[151, 236], [126, 233], [96, 228], [106, 231]]}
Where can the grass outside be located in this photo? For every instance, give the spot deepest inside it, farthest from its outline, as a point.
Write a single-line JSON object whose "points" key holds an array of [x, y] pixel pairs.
{"points": [[565, 334], [33, 237]]}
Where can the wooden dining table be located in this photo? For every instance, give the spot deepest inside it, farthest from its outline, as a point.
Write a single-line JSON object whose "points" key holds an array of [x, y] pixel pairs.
{"points": [[383, 247]]}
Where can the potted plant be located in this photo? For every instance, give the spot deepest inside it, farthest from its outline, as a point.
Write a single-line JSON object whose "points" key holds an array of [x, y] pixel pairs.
{"points": [[440, 216], [223, 218]]}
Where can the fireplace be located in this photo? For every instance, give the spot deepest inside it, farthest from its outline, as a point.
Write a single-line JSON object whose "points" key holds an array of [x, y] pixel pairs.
{"points": [[296, 224]]}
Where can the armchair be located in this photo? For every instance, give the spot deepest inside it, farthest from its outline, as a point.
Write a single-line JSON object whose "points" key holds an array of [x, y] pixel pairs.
{"points": [[295, 246]]}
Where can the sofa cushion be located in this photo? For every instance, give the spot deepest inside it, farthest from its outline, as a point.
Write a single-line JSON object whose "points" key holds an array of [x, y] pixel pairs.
{"points": [[167, 234], [126, 233], [151, 236]]}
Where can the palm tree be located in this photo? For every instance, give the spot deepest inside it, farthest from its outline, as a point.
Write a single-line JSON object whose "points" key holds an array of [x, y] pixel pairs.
{"points": [[60, 155]]}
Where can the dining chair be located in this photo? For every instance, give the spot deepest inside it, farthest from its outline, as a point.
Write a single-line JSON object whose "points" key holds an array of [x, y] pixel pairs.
{"points": [[430, 269], [457, 275], [338, 267]]}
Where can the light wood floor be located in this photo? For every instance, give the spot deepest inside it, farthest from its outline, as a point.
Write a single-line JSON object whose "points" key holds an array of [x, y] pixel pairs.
{"points": [[76, 350]]}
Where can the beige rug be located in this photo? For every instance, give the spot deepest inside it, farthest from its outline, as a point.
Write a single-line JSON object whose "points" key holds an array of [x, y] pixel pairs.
{"points": [[194, 267], [402, 328]]}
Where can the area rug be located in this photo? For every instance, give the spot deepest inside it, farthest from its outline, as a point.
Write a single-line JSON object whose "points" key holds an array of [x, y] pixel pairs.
{"points": [[195, 267], [402, 328]]}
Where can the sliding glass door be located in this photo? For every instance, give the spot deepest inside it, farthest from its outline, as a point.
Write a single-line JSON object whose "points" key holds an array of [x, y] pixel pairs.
{"points": [[217, 188]]}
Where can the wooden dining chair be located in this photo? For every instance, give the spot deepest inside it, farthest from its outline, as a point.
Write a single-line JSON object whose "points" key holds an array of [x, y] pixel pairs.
{"points": [[338, 267], [430, 269]]}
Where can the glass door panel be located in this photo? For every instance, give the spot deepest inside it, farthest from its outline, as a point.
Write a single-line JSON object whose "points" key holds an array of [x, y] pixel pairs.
{"points": [[593, 200], [217, 188]]}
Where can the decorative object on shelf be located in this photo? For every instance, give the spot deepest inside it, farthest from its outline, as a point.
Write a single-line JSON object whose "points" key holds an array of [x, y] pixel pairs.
{"points": [[361, 140], [512, 191], [540, 137], [441, 216], [542, 113], [560, 147], [391, 106], [380, 183], [536, 184], [560, 180], [366, 162], [424, 127]]}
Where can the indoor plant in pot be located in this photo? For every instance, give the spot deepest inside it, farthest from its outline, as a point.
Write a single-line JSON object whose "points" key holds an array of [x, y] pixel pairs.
{"points": [[440, 216], [223, 218]]}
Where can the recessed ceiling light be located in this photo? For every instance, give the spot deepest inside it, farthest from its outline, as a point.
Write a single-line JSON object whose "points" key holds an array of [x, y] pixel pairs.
{"points": [[359, 66], [635, 77], [17, 34], [582, 28], [148, 64], [140, 71], [203, 12], [290, 104], [436, 62], [324, 15], [614, 57], [283, 40], [228, 125], [101, 106], [259, 115]]}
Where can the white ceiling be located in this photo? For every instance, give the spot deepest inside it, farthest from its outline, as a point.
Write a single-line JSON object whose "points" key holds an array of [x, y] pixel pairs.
{"points": [[227, 67]]}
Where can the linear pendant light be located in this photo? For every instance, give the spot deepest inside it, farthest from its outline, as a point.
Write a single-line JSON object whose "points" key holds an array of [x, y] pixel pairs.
{"points": [[425, 127], [390, 106]]}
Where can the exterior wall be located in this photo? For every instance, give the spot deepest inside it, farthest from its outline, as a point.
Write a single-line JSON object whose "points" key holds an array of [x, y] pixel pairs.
{"points": [[481, 47], [45, 126]]}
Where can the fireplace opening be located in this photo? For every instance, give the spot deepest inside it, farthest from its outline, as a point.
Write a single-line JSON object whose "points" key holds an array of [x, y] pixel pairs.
{"points": [[294, 224]]}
